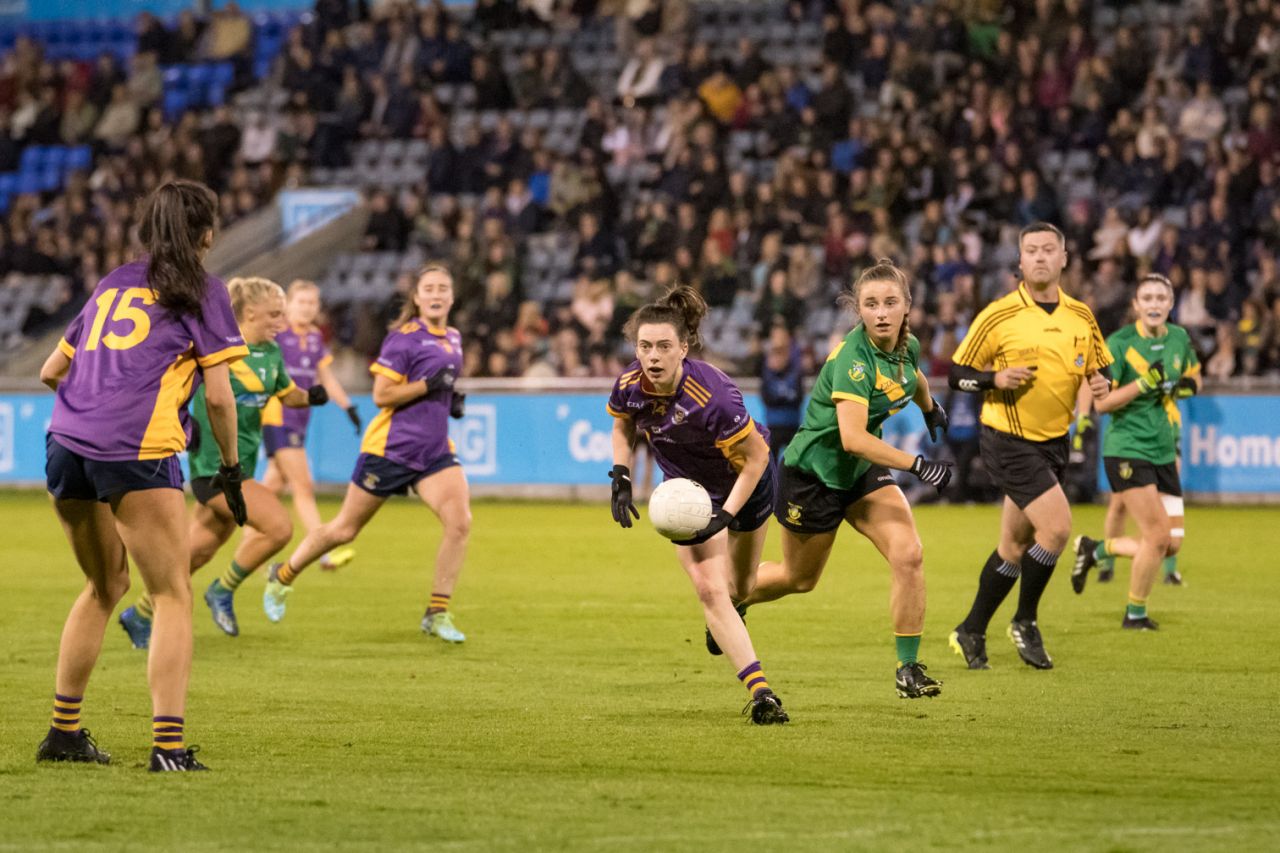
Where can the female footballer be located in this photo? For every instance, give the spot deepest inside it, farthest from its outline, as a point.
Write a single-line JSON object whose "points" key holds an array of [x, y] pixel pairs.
{"points": [[284, 430], [256, 381], [693, 418], [837, 467], [124, 371], [405, 447], [1156, 364]]}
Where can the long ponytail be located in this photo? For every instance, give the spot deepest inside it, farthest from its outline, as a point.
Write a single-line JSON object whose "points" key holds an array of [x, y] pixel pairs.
{"points": [[175, 219]]}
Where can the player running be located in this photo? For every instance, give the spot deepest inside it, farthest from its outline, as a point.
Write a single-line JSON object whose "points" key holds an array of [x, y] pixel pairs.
{"points": [[405, 447], [1027, 353], [124, 371], [258, 379], [284, 430], [837, 467], [693, 418], [1155, 364]]}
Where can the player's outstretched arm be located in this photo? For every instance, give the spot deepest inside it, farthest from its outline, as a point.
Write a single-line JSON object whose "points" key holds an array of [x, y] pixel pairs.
{"points": [[624, 439], [338, 394]]}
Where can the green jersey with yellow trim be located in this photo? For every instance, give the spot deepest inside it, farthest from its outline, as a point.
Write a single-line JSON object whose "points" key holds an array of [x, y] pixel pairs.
{"points": [[1148, 427], [255, 380], [855, 370]]}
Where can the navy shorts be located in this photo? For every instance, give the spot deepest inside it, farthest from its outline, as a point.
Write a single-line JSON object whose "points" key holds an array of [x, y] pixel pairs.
{"points": [[383, 478], [71, 476], [282, 438], [755, 512]]}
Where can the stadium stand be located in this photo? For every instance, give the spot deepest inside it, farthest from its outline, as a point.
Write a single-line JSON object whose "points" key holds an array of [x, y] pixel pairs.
{"points": [[570, 158]]}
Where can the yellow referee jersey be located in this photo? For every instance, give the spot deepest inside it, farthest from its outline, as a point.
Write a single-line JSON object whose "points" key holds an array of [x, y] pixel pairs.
{"points": [[1064, 346]]}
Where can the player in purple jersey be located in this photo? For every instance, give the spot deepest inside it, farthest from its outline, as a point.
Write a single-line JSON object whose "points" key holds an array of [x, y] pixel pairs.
{"points": [[124, 371], [693, 418], [284, 430], [406, 447]]}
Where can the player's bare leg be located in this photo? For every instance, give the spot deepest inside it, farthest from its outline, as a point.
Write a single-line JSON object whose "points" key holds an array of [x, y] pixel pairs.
{"points": [[447, 494], [1145, 507], [289, 466], [884, 517], [804, 556]]}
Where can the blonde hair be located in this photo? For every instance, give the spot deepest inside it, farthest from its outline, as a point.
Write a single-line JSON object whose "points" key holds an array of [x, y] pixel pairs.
{"points": [[300, 284], [885, 270], [409, 310], [250, 291]]}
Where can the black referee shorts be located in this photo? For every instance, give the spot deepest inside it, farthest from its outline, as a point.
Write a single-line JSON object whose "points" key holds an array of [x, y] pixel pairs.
{"points": [[1021, 468]]}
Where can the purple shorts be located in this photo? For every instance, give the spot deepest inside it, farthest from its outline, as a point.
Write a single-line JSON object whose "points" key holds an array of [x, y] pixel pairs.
{"points": [[282, 437]]}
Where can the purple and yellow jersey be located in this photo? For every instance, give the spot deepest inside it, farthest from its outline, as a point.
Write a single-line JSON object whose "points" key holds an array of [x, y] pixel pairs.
{"points": [[692, 430], [133, 367], [417, 433], [304, 353]]}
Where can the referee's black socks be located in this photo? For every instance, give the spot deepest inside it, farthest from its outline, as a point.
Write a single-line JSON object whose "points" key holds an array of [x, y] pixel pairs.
{"points": [[1037, 568], [997, 578]]}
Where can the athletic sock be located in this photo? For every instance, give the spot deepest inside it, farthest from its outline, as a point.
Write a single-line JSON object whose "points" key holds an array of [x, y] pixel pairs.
{"points": [[287, 574], [908, 648], [144, 606], [1102, 551], [166, 732], [997, 578], [1137, 608], [1037, 568], [753, 677], [234, 576], [1170, 565], [439, 603], [66, 713]]}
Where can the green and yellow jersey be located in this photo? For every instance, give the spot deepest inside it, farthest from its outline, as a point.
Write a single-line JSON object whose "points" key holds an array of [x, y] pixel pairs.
{"points": [[1149, 426], [855, 370], [255, 380]]}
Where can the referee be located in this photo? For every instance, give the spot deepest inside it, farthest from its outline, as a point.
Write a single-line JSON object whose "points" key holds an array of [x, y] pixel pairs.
{"points": [[1027, 353]]}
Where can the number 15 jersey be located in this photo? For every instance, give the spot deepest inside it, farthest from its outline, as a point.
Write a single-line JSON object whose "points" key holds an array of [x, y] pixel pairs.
{"points": [[133, 366]]}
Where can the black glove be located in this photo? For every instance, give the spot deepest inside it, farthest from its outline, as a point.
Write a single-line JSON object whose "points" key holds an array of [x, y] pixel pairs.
{"points": [[354, 415], [719, 521], [1186, 387], [229, 479], [441, 381], [193, 446], [622, 505], [317, 396], [936, 419], [458, 405], [934, 473]]}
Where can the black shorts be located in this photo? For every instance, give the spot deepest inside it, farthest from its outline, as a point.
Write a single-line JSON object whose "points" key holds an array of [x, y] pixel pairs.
{"points": [[755, 512], [808, 505], [282, 438], [383, 478], [1125, 473], [74, 477], [1021, 468]]}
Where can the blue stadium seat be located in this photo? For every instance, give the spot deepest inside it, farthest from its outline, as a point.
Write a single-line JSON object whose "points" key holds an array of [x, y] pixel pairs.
{"points": [[79, 158], [175, 103]]}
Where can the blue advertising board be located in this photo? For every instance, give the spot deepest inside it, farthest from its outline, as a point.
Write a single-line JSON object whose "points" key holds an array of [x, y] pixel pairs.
{"points": [[1231, 444]]}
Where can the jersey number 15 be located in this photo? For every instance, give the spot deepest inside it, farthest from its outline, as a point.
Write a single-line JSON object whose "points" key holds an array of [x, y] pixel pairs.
{"points": [[126, 311]]}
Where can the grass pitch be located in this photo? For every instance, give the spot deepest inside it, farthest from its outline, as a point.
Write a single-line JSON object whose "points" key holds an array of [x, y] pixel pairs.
{"points": [[584, 714]]}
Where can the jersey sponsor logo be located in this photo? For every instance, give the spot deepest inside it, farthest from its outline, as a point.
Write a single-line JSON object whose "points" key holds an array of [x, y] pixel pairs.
{"points": [[1126, 470], [858, 371], [793, 513]]}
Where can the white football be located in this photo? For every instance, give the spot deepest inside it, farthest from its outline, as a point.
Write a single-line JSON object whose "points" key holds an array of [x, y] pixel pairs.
{"points": [[679, 508]]}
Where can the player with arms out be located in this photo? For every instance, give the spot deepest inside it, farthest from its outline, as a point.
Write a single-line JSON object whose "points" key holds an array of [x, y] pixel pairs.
{"points": [[405, 447], [836, 469], [1155, 364], [261, 377], [1028, 353], [123, 372], [284, 429], [696, 425]]}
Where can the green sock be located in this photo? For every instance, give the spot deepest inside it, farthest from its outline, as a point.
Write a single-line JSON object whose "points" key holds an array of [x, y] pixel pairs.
{"points": [[1102, 552], [908, 647], [233, 577], [1170, 565], [1137, 609]]}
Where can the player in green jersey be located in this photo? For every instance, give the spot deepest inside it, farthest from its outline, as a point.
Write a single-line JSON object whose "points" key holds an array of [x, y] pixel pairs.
{"points": [[259, 308], [1155, 365], [837, 467]]}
